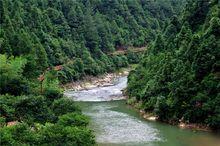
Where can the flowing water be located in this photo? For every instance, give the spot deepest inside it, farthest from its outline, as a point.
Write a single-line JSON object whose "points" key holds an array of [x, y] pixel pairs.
{"points": [[116, 124]]}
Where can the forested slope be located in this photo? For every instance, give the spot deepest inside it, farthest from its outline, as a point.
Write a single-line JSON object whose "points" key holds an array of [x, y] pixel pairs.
{"points": [[79, 34], [43, 42], [178, 78]]}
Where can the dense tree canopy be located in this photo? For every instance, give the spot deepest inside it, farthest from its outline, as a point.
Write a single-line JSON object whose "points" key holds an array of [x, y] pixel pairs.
{"points": [[49, 33], [43, 42], [178, 77], [39, 113]]}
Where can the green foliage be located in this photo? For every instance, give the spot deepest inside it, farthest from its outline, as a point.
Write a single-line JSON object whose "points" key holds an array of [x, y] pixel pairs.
{"points": [[70, 128], [55, 134], [11, 70], [49, 34], [26, 111], [178, 77], [73, 119], [48, 134], [50, 85], [35, 36], [120, 61], [7, 108], [2, 121], [33, 109], [52, 94], [133, 58], [63, 106], [72, 71], [20, 134]]}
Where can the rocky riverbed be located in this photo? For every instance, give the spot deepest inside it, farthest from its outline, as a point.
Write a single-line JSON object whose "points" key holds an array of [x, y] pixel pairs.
{"points": [[90, 82]]}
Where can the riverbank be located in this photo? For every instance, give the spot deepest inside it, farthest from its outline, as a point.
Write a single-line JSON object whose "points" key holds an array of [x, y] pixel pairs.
{"points": [[152, 117], [108, 79], [116, 123], [89, 82]]}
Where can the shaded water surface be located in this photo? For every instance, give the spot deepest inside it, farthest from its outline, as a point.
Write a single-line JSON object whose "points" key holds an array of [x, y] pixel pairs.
{"points": [[116, 124]]}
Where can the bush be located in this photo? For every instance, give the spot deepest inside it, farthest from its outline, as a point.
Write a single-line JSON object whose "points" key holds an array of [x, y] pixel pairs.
{"points": [[19, 134], [2, 121], [51, 86], [63, 105], [133, 58], [11, 78], [33, 109], [15, 87], [52, 94], [70, 129], [162, 109], [150, 104], [56, 135], [73, 119], [120, 61], [7, 108], [49, 134]]}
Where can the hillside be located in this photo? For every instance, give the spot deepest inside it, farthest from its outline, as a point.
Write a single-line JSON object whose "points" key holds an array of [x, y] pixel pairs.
{"points": [[171, 46], [178, 78], [79, 34]]}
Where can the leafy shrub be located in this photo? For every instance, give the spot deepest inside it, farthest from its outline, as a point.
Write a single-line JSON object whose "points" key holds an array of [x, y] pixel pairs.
{"points": [[120, 61], [15, 87], [2, 121], [133, 57], [73, 119], [19, 134], [33, 109], [163, 110], [56, 135], [7, 108], [52, 94], [11, 78], [131, 100], [63, 105], [51, 85], [49, 134]]}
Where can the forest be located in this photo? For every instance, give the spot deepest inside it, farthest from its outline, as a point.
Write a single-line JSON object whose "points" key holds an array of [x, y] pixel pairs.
{"points": [[47, 43], [79, 34], [178, 77]]}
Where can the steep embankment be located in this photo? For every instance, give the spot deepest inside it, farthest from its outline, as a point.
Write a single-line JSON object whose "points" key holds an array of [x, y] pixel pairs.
{"points": [[178, 78]]}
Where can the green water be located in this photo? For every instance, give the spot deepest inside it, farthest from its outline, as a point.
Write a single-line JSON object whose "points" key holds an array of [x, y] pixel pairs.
{"points": [[116, 124]]}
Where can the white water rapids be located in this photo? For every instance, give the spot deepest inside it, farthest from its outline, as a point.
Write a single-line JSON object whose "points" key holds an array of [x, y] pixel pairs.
{"points": [[100, 93], [110, 126], [115, 124]]}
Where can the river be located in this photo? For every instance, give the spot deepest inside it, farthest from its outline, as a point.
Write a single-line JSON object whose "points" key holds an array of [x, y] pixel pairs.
{"points": [[116, 124]]}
